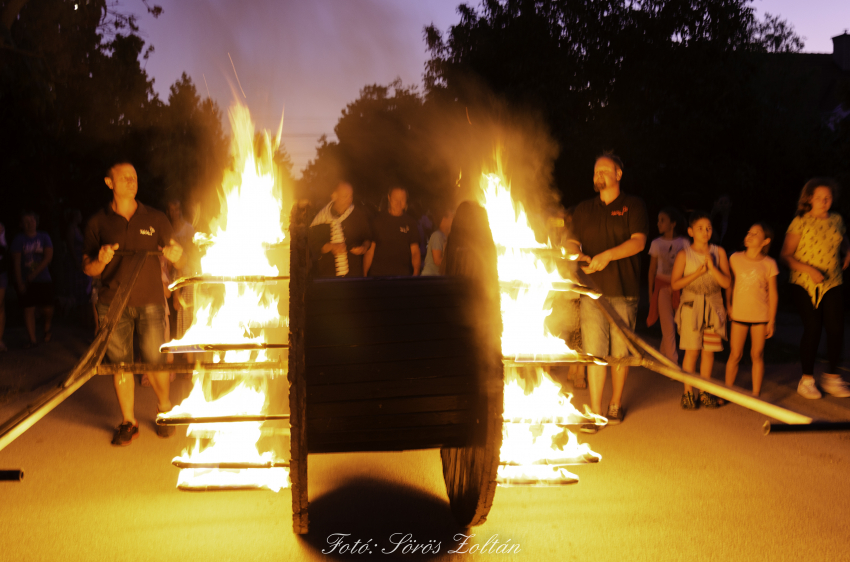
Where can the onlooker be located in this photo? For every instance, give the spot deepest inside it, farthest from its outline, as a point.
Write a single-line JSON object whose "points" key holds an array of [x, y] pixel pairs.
{"points": [[340, 236], [437, 243], [126, 224], [395, 249], [32, 252], [182, 300], [81, 285], [609, 232], [663, 301], [701, 272], [564, 321], [751, 302], [812, 250], [726, 230], [4, 282]]}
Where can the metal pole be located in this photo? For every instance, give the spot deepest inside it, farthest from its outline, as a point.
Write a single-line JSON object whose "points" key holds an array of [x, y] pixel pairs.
{"points": [[11, 475], [814, 427], [82, 372], [230, 465], [186, 420], [203, 279], [116, 368], [530, 359], [194, 348], [653, 360]]}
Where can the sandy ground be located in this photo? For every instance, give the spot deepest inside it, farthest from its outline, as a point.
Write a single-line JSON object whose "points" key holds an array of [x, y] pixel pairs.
{"points": [[672, 485]]}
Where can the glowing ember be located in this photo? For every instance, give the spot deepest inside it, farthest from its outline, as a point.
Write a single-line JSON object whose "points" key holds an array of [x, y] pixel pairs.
{"points": [[250, 225], [535, 446]]}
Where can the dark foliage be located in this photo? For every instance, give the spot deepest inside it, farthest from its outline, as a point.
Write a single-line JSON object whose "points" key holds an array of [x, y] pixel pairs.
{"points": [[74, 95], [698, 96]]}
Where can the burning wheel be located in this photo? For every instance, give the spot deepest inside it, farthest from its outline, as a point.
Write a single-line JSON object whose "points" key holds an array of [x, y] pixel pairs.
{"points": [[396, 364]]}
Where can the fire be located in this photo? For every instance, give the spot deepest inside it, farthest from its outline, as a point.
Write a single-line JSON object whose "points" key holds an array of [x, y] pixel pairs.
{"points": [[251, 224], [536, 446]]}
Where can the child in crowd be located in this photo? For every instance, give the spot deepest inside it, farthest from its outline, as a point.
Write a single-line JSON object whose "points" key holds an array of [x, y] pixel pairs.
{"points": [[663, 301], [751, 302], [701, 271]]}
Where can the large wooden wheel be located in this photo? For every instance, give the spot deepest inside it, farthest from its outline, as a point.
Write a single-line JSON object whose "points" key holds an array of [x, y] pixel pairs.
{"points": [[397, 364], [296, 375], [470, 471]]}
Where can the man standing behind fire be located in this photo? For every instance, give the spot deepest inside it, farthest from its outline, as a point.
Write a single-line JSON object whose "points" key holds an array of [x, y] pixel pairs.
{"points": [[340, 236], [126, 224], [609, 232], [395, 251]]}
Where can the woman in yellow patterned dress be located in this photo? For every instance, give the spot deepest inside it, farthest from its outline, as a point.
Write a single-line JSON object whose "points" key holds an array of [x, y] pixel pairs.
{"points": [[812, 249]]}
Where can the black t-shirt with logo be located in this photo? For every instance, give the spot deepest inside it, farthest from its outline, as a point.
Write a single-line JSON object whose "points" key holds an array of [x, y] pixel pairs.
{"points": [[393, 237], [148, 230], [599, 227]]}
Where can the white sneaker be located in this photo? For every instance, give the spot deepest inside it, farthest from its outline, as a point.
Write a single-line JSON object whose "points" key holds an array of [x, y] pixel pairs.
{"points": [[835, 385], [808, 389]]}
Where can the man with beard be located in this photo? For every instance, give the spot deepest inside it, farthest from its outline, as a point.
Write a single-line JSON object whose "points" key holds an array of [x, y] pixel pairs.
{"points": [[609, 232]]}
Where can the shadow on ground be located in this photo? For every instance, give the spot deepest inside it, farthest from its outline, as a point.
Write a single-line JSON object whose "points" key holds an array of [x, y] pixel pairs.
{"points": [[390, 519]]}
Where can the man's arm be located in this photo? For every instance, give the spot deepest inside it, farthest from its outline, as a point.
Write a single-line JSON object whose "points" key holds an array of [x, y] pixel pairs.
{"points": [[362, 249], [48, 257], [573, 247], [173, 252], [416, 258], [627, 249], [16, 264], [653, 269], [94, 267], [367, 260]]}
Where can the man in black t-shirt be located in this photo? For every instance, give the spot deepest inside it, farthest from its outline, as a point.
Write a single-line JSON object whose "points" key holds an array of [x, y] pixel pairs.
{"points": [[395, 250], [340, 236], [609, 232], [126, 224]]}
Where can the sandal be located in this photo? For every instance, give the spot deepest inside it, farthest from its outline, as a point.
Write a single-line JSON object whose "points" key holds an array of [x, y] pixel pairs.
{"points": [[688, 402], [708, 401]]}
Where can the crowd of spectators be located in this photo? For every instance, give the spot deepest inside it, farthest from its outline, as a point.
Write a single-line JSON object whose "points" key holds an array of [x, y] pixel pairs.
{"points": [[688, 276]]}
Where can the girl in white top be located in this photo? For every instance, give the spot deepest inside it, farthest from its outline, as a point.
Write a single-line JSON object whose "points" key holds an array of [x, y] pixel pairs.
{"points": [[751, 302], [701, 270], [663, 301]]}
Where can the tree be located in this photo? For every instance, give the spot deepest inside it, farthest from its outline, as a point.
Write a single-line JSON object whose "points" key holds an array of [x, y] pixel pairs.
{"points": [[677, 87], [75, 96], [383, 141]]}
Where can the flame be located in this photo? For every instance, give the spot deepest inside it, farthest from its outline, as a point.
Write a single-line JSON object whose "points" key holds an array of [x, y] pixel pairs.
{"points": [[535, 445], [250, 224]]}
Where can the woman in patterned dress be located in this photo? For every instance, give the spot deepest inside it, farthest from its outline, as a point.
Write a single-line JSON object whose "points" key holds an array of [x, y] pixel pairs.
{"points": [[812, 249]]}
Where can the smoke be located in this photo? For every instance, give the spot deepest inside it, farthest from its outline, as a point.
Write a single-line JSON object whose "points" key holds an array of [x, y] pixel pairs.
{"points": [[311, 57], [482, 133]]}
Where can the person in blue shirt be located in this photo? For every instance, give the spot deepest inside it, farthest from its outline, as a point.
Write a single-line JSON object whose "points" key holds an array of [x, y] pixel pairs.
{"points": [[32, 252], [437, 243]]}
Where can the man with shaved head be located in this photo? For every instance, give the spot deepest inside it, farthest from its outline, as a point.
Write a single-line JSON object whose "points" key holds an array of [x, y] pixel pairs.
{"points": [[340, 235], [127, 225]]}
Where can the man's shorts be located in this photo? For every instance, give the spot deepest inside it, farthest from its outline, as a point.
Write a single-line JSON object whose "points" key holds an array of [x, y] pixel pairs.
{"points": [[149, 320], [38, 294], [596, 334]]}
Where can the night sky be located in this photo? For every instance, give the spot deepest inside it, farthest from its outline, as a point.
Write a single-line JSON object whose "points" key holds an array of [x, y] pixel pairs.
{"points": [[314, 57]]}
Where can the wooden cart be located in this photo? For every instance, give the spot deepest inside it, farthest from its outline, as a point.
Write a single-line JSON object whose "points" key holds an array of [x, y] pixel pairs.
{"points": [[395, 364]]}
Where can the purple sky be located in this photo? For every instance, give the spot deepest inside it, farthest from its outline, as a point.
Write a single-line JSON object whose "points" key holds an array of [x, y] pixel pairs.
{"points": [[314, 56]]}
